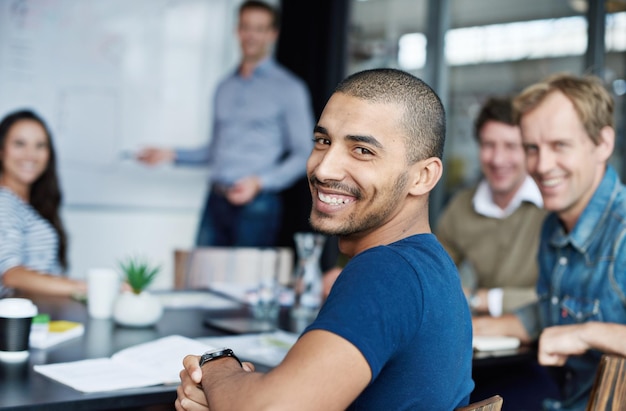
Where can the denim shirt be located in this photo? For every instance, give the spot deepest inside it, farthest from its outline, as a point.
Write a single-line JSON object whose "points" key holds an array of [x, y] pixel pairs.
{"points": [[582, 277]]}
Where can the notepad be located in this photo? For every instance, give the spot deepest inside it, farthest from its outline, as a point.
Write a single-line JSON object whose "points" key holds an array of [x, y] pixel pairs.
{"points": [[154, 363], [57, 332]]}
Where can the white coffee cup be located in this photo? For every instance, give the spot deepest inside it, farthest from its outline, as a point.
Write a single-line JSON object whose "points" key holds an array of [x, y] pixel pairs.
{"points": [[16, 315], [103, 287]]}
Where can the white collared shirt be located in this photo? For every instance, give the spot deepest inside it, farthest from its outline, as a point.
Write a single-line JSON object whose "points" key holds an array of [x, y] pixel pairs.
{"points": [[484, 205]]}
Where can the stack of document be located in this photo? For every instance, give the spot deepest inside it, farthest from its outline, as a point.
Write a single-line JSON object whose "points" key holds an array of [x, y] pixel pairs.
{"points": [[264, 348]]}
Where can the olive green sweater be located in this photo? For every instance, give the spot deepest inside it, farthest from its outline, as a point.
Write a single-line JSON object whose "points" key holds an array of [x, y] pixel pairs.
{"points": [[502, 252]]}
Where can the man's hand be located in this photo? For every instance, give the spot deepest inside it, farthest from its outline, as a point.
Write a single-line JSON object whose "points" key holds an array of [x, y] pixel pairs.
{"points": [[244, 191], [190, 396], [153, 156], [479, 300], [506, 325], [557, 343]]}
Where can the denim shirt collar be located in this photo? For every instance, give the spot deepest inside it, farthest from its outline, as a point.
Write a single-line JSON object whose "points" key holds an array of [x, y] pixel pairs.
{"points": [[592, 216]]}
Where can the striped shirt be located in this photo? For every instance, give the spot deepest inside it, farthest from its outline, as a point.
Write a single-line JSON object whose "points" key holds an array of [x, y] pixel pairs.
{"points": [[26, 238]]}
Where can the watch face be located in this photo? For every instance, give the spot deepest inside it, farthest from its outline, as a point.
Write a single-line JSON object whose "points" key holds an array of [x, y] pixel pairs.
{"points": [[216, 351]]}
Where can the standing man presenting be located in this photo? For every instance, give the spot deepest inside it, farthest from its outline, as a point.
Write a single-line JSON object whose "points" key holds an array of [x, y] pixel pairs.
{"points": [[494, 227], [260, 143], [568, 134], [395, 330]]}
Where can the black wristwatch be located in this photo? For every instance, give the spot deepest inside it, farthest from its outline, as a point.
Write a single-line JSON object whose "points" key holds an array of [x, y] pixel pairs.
{"points": [[217, 354]]}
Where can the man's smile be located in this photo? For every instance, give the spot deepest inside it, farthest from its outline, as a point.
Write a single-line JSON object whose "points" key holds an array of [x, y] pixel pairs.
{"points": [[333, 199]]}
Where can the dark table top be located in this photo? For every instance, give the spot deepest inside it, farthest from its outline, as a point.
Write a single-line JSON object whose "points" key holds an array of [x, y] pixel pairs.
{"points": [[22, 388]]}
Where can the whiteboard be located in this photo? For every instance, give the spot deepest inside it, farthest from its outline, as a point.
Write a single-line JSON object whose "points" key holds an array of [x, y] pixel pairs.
{"points": [[112, 76]]}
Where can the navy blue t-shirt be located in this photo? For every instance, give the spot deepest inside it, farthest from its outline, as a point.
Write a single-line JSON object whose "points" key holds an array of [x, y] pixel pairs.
{"points": [[403, 307]]}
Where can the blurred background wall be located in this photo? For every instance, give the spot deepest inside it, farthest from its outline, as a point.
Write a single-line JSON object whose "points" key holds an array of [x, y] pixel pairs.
{"points": [[111, 76]]}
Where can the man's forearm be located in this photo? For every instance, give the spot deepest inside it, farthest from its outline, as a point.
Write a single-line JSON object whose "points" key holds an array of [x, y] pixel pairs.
{"points": [[609, 338]]}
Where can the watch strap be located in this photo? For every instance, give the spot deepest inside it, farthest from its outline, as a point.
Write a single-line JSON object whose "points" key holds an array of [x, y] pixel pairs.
{"points": [[217, 354]]}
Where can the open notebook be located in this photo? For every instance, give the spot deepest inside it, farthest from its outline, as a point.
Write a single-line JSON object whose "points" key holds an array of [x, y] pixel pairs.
{"points": [[160, 361], [153, 363]]}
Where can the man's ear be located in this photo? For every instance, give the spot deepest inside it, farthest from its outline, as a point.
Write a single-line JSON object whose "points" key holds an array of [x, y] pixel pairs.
{"points": [[607, 143], [425, 174], [275, 34]]}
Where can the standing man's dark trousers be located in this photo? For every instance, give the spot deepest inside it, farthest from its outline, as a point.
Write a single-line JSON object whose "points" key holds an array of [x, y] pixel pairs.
{"points": [[255, 224]]}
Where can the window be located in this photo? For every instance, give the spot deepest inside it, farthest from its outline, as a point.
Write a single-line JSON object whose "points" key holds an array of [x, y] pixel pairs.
{"points": [[565, 36]]}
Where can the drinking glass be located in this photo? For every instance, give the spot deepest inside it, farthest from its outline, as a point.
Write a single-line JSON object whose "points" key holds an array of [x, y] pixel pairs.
{"points": [[308, 278]]}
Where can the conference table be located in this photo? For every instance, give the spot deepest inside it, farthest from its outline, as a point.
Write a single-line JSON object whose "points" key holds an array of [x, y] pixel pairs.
{"points": [[22, 388]]}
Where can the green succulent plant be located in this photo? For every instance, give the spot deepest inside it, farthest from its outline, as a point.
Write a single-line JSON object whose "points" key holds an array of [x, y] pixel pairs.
{"points": [[139, 273]]}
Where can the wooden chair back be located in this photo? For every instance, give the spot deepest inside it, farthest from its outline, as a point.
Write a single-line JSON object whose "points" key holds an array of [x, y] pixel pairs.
{"points": [[203, 266], [490, 404], [609, 388]]}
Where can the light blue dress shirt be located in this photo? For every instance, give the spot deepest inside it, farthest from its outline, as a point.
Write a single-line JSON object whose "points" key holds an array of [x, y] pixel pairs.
{"points": [[582, 277], [263, 126]]}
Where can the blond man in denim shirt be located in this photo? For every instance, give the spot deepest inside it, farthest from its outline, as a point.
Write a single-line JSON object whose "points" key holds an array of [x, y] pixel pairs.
{"points": [[568, 135]]}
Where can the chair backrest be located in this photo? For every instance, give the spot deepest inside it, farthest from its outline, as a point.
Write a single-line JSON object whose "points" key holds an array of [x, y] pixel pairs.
{"points": [[609, 388], [203, 266], [490, 404]]}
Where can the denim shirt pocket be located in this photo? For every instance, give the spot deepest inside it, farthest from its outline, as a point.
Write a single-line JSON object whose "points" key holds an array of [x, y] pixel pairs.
{"points": [[578, 310]]}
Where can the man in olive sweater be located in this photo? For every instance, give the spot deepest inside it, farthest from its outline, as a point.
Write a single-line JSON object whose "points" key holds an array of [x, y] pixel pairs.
{"points": [[494, 227]]}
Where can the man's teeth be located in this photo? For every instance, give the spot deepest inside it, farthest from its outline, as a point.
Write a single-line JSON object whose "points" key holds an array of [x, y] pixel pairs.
{"points": [[551, 182], [332, 200]]}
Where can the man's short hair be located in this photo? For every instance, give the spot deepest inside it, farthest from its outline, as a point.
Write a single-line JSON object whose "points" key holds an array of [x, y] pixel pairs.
{"points": [[423, 120], [591, 100], [498, 109], [260, 5]]}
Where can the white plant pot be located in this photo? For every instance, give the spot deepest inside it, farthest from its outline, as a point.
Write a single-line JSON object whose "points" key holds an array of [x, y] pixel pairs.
{"points": [[137, 310]]}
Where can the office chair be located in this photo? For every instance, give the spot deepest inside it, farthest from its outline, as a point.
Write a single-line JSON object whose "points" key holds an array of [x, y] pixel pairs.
{"points": [[490, 404], [202, 267], [609, 388]]}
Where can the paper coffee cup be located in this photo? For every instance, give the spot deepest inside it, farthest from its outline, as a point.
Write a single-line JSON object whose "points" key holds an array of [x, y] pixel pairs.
{"points": [[16, 315]]}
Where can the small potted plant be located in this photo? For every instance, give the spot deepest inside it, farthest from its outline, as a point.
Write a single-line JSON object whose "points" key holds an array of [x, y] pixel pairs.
{"points": [[137, 307]]}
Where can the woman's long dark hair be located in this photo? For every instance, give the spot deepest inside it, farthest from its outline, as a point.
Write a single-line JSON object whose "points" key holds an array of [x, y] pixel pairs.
{"points": [[45, 193]]}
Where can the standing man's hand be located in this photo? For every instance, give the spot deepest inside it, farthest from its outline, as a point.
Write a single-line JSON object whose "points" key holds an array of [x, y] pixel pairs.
{"points": [[153, 155], [244, 191]]}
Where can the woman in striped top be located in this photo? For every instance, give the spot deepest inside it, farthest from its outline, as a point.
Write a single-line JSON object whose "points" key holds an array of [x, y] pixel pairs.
{"points": [[32, 238]]}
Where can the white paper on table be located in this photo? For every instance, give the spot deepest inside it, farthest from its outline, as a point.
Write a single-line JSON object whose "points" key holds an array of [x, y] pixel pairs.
{"points": [[152, 363], [263, 348], [195, 299], [495, 343]]}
